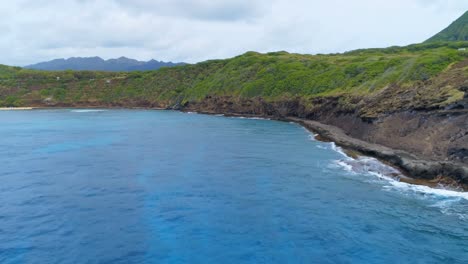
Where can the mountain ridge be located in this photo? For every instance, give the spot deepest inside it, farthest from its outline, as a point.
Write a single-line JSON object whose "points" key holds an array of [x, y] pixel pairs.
{"points": [[412, 99], [98, 64], [456, 31]]}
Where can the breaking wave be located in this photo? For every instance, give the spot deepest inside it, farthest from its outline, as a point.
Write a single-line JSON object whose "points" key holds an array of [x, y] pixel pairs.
{"points": [[252, 118], [448, 201], [87, 110]]}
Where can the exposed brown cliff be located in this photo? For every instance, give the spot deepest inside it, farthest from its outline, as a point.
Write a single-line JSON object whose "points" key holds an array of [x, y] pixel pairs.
{"points": [[423, 143]]}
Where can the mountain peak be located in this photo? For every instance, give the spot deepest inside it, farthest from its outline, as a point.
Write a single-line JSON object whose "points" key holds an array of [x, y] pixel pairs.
{"points": [[457, 31], [99, 64]]}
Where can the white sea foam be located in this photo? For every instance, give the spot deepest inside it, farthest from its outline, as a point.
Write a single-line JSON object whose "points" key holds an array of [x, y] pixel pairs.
{"points": [[347, 167], [192, 113], [389, 177], [387, 173], [252, 118], [453, 206], [448, 202], [339, 150], [373, 167], [426, 190], [258, 118], [312, 137], [87, 110]]}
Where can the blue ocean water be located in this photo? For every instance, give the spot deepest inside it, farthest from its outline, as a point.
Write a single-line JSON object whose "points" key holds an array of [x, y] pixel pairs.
{"points": [[134, 186]]}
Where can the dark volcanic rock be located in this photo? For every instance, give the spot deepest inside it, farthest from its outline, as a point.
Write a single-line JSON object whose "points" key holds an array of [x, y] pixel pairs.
{"points": [[426, 145]]}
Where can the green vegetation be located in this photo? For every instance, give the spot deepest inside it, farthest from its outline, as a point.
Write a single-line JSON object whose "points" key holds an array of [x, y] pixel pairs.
{"points": [[457, 31], [272, 76]]}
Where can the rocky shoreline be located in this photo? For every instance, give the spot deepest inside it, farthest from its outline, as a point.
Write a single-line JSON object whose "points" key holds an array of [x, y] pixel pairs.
{"points": [[15, 108], [426, 171], [420, 170]]}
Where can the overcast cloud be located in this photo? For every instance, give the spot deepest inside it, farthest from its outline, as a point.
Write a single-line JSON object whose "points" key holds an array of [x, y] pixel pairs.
{"points": [[197, 30]]}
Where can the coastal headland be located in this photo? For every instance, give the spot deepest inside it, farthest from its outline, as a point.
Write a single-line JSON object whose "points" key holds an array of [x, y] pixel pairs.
{"points": [[407, 106]]}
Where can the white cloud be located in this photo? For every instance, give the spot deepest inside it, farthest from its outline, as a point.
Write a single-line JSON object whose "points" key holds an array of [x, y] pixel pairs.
{"points": [[196, 30], [226, 10]]}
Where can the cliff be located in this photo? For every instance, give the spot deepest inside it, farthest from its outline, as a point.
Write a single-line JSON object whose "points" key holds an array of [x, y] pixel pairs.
{"points": [[409, 99]]}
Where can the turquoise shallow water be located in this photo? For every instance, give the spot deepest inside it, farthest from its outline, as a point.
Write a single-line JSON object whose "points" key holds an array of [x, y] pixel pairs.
{"points": [[121, 186]]}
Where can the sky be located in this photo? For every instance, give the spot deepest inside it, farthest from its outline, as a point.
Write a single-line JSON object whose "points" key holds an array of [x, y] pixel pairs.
{"points": [[198, 30]]}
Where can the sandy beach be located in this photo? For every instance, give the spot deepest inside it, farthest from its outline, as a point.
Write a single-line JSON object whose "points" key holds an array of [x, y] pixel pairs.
{"points": [[15, 108]]}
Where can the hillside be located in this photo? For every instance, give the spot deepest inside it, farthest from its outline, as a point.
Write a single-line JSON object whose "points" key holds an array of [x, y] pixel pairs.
{"points": [[457, 31], [272, 76], [394, 97], [98, 64]]}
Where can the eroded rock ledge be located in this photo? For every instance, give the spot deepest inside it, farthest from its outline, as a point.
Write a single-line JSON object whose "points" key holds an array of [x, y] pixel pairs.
{"points": [[410, 164], [423, 144]]}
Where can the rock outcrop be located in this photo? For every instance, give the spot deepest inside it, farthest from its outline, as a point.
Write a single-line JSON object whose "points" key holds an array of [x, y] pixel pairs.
{"points": [[423, 144]]}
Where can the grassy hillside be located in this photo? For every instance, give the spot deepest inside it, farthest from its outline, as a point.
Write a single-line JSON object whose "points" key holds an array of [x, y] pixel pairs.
{"points": [[272, 76], [457, 31]]}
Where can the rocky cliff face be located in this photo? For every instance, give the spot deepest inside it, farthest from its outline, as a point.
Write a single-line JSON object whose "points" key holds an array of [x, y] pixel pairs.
{"points": [[437, 137], [410, 99], [429, 120]]}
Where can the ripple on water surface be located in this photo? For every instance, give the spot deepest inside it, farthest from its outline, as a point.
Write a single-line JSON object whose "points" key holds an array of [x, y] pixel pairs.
{"points": [[121, 186]]}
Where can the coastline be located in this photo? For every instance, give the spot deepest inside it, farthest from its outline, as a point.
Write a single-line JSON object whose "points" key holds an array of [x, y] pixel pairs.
{"points": [[16, 108], [415, 170]]}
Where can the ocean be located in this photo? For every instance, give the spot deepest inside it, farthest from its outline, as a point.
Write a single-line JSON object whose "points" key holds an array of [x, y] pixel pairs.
{"points": [[143, 186]]}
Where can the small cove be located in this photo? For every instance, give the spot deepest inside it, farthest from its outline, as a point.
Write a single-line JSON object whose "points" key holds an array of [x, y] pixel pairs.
{"points": [[132, 186]]}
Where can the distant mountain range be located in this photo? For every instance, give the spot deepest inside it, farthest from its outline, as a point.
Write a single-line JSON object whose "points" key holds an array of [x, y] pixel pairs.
{"points": [[99, 64], [457, 31]]}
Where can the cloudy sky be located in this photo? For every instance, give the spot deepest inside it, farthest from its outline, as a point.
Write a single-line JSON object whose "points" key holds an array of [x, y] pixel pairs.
{"points": [[197, 30]]}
